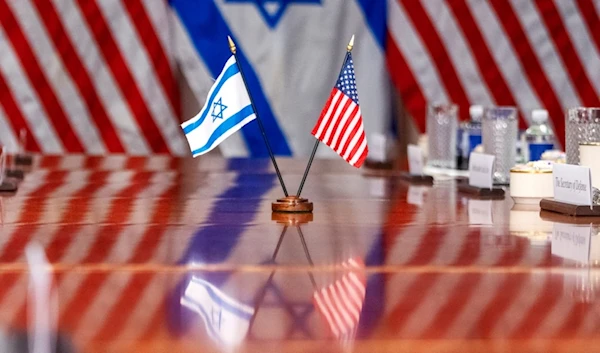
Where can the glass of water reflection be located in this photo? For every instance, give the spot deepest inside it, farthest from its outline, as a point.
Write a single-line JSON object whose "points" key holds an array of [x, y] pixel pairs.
{"points": [[499, 135]]}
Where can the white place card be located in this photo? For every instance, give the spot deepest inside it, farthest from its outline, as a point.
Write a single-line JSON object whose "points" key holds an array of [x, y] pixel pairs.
{"points": [[571, 242], [481, 170], [416, 195], [378, 147], [572, 184], [480, 212], [415, 160]]}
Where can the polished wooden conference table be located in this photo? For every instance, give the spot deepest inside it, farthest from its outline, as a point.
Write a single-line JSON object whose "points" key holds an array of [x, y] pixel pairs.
{"points": [[133, 243]]}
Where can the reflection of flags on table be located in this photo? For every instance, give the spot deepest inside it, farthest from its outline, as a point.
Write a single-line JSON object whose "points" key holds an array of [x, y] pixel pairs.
{"points": [[227, 109], [341, 302], [227, 321], [340, 125]]}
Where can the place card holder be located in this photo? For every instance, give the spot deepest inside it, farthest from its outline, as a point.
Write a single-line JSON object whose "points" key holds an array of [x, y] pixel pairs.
{"points": [[480, 182], [551, 216], [6, 186], [417, 178], [572, 192], [15, 174], [569, 209], [493, 193], [22, 158]]}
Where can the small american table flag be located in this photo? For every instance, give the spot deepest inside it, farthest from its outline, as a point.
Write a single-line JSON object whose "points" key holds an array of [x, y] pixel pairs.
{"points": [[340, 303], [340, 125]]}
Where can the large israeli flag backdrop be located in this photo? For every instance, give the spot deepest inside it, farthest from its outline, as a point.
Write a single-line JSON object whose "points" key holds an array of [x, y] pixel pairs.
{"points": [[291, 52]]}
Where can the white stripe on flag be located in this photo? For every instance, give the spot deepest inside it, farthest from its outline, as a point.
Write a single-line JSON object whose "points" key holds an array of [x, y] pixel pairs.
{"points": [[504, 55], [140, 67], [460, 55], [119, 112], [27, 98], [353, 108], [410, 44], [336, 116], [59, 80], [544, 48], [7, 136], [328, 115], [580, 37]]}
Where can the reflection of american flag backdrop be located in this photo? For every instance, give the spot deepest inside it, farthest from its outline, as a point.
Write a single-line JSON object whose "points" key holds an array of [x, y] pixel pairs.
{"points": [[525, 53], [122, 210]]}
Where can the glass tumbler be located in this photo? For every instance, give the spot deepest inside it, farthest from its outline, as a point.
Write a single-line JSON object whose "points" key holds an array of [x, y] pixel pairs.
{"points": [[583, 126], [499, 135], [442, 126]]}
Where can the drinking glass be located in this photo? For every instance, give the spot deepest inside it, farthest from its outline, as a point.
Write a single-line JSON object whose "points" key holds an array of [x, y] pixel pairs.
{"points": [[499, 135], [583, 126], [442, 126]]}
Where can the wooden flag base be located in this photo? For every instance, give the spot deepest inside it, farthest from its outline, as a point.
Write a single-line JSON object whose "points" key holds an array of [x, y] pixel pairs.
{"points": [[292, 204], [480, 192], [292, 219], [417, 179], [569, 209], [8, 187]]}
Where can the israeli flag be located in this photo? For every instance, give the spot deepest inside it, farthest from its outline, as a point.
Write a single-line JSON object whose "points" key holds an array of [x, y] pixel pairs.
{"points": [[227, 109], [227, 320]]}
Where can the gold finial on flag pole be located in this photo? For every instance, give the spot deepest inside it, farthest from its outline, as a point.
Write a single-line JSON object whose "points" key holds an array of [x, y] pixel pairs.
{"points": [[233, 49], [351, 44]]}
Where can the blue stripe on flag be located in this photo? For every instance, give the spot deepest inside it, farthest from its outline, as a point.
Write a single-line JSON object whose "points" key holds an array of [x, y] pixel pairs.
{"points": [[208, 323], [376, 16], [223, 303], [227, 125], [208, 30], [231, 70], [372, 309], [215, 239]]}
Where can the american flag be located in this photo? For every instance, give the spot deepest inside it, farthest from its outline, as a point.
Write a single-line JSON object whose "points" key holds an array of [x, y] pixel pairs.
{"points": [[340, 125], [341, 302], [525, 53]]}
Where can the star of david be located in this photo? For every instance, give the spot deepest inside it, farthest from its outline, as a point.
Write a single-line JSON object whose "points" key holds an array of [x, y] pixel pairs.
{"points": [[273, 10], [217, 110]]}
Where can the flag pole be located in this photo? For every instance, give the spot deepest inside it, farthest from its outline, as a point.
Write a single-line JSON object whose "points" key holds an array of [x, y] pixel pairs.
{"points": [[314, 151], [233, 49]]}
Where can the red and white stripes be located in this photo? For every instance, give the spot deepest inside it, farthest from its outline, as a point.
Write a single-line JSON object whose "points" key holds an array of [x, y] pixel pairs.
{"points": [[527, 53], [94, 77], [340, 303]]}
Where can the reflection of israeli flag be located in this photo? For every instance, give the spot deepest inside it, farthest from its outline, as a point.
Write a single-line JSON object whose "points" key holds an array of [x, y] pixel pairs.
{"points": [[227, 321], [227, 110]]}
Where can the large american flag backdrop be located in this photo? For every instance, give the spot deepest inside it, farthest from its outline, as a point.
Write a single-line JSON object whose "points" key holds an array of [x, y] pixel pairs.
{"points": [[99, 76], [89, 76], [525, 53]]}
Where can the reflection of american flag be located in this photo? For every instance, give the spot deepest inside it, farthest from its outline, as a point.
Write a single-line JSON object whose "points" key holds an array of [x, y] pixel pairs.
{"points": [[525, 53], [341, 302], [340, 125]]}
